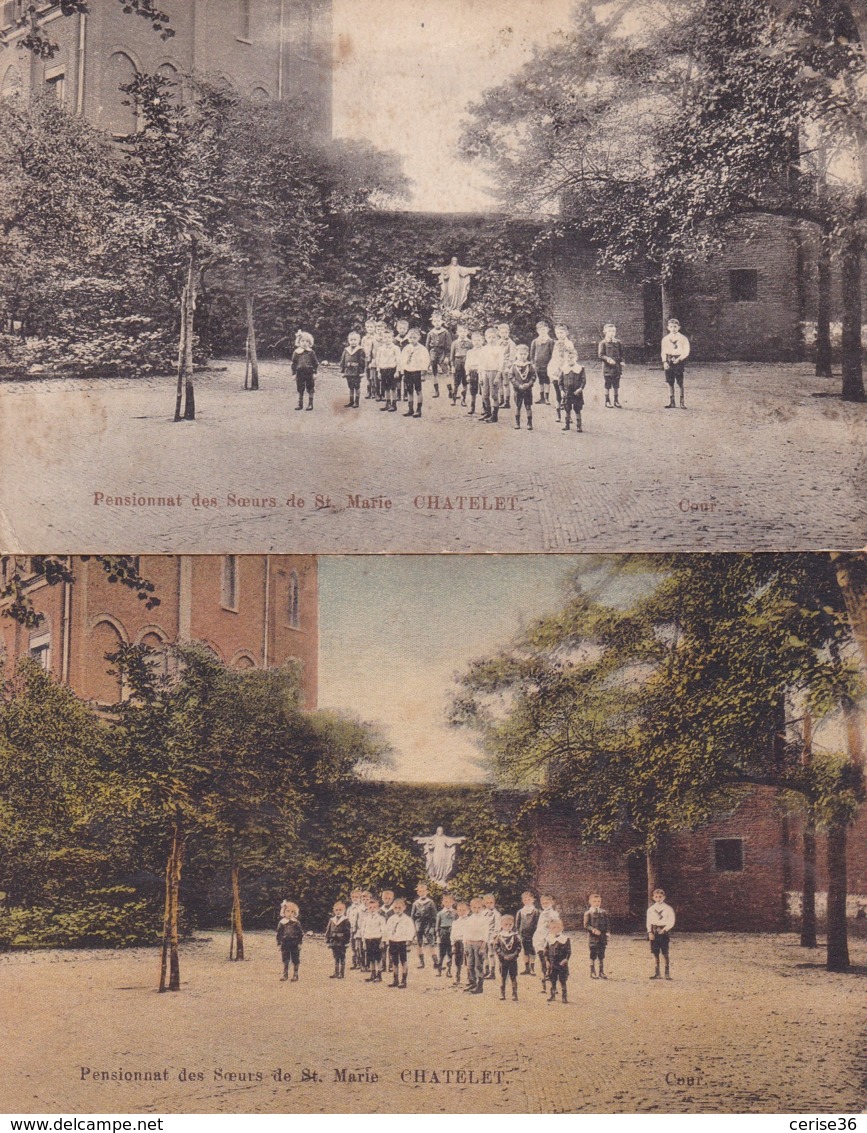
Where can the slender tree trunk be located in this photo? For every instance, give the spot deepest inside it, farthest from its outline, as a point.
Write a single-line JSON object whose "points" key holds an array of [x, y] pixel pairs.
{"points": [[669, 299], [653, 872], [237, 926], [185, 389], [251, 339], [850, 281], [167, 919], [808, 876], [823, 308], [778, 754], [808, 891], [838, 940], [174, 953], [182, 338]]}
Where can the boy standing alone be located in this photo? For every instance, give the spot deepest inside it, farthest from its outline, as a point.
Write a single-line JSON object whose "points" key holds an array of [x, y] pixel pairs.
{"points": [[675, 351], [660, 922], [611, 355], [598, 925]]}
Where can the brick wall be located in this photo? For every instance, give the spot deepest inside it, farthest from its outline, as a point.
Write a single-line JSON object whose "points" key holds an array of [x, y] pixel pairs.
{"points": [[570, 872], [208, 38], [586, 297], [706, 899], [766, 328], [101, 615]]}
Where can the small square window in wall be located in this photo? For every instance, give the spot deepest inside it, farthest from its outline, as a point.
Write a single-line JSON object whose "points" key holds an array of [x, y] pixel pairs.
{"points": [[744, 285], [229, 589], [729, 855]]}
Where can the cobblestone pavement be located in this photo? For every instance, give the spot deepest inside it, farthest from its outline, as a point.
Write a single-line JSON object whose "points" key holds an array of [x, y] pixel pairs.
{"points": [[750, 1024], [756, 461]]}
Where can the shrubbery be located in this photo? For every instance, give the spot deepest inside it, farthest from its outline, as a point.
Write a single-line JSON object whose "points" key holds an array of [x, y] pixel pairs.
{"points": [[109, 918]]}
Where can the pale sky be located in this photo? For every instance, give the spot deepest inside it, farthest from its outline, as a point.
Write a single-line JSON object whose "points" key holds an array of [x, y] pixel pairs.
{"points": [[394, 629], [406, 69]]}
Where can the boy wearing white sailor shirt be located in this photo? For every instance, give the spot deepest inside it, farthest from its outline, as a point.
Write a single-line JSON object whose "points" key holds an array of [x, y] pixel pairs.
{"points": [[675, 351], [476, 945], [414, 363], [373, 929], [660, 922], [401, 933], [540, 936]]}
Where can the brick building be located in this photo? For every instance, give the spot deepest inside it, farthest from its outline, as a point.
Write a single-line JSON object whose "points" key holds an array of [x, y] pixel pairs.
{"points": [[268, 49], [252, 611], [741, 872]]}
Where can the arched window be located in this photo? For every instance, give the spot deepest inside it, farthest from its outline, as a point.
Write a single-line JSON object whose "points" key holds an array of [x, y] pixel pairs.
{"points": [[259, 94], [118, 119], [159, 659], [294, 601], [11, 82], [104, 684], [243, 661]]}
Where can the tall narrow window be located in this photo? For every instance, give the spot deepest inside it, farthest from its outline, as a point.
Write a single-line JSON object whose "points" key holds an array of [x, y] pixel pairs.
{"points": [[294, 601], [230, 582], [40, 650], [243, 19], [55, 83], [118, 115]]}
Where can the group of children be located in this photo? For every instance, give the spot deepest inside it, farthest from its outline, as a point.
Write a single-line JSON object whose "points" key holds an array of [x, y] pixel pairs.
{"points": [[472, 936], [489, 366]]}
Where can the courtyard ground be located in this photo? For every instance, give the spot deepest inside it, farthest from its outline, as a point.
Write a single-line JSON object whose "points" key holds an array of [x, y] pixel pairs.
{"points": [[749, 1024], [756, 462]]}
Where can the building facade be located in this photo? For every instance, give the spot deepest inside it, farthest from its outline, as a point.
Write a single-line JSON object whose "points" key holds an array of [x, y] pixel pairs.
{"points": [[251, 611], [741, 872], [267, 49]]}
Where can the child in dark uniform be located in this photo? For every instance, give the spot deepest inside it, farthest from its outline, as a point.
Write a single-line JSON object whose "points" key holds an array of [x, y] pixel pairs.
{"points": [[439, 346], [522, 377], [507, 945], [598, 925], [304, 367], [573, 379], [525, 926], [558, 949], [353, 363], [290, 936], [541, 349], [338, 933], [424, 917], [458, 358], [446, 917], [611, 355]]}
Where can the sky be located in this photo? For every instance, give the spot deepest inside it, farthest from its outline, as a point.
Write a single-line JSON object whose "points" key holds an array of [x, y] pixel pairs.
{"points": [[405, 71], [395, 629]]}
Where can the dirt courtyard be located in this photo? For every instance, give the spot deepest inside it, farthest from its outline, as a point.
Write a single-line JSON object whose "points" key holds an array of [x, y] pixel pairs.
{"points": [[749, 1024], [757, 462]]}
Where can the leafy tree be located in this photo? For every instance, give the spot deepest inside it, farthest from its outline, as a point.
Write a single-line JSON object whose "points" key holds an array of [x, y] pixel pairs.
{"points": [[643, 718], [654, 151]]}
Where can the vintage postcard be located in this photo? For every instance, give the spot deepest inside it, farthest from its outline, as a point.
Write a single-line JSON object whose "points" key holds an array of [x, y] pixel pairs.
{"points": [[293, 275], [557, 834]]}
